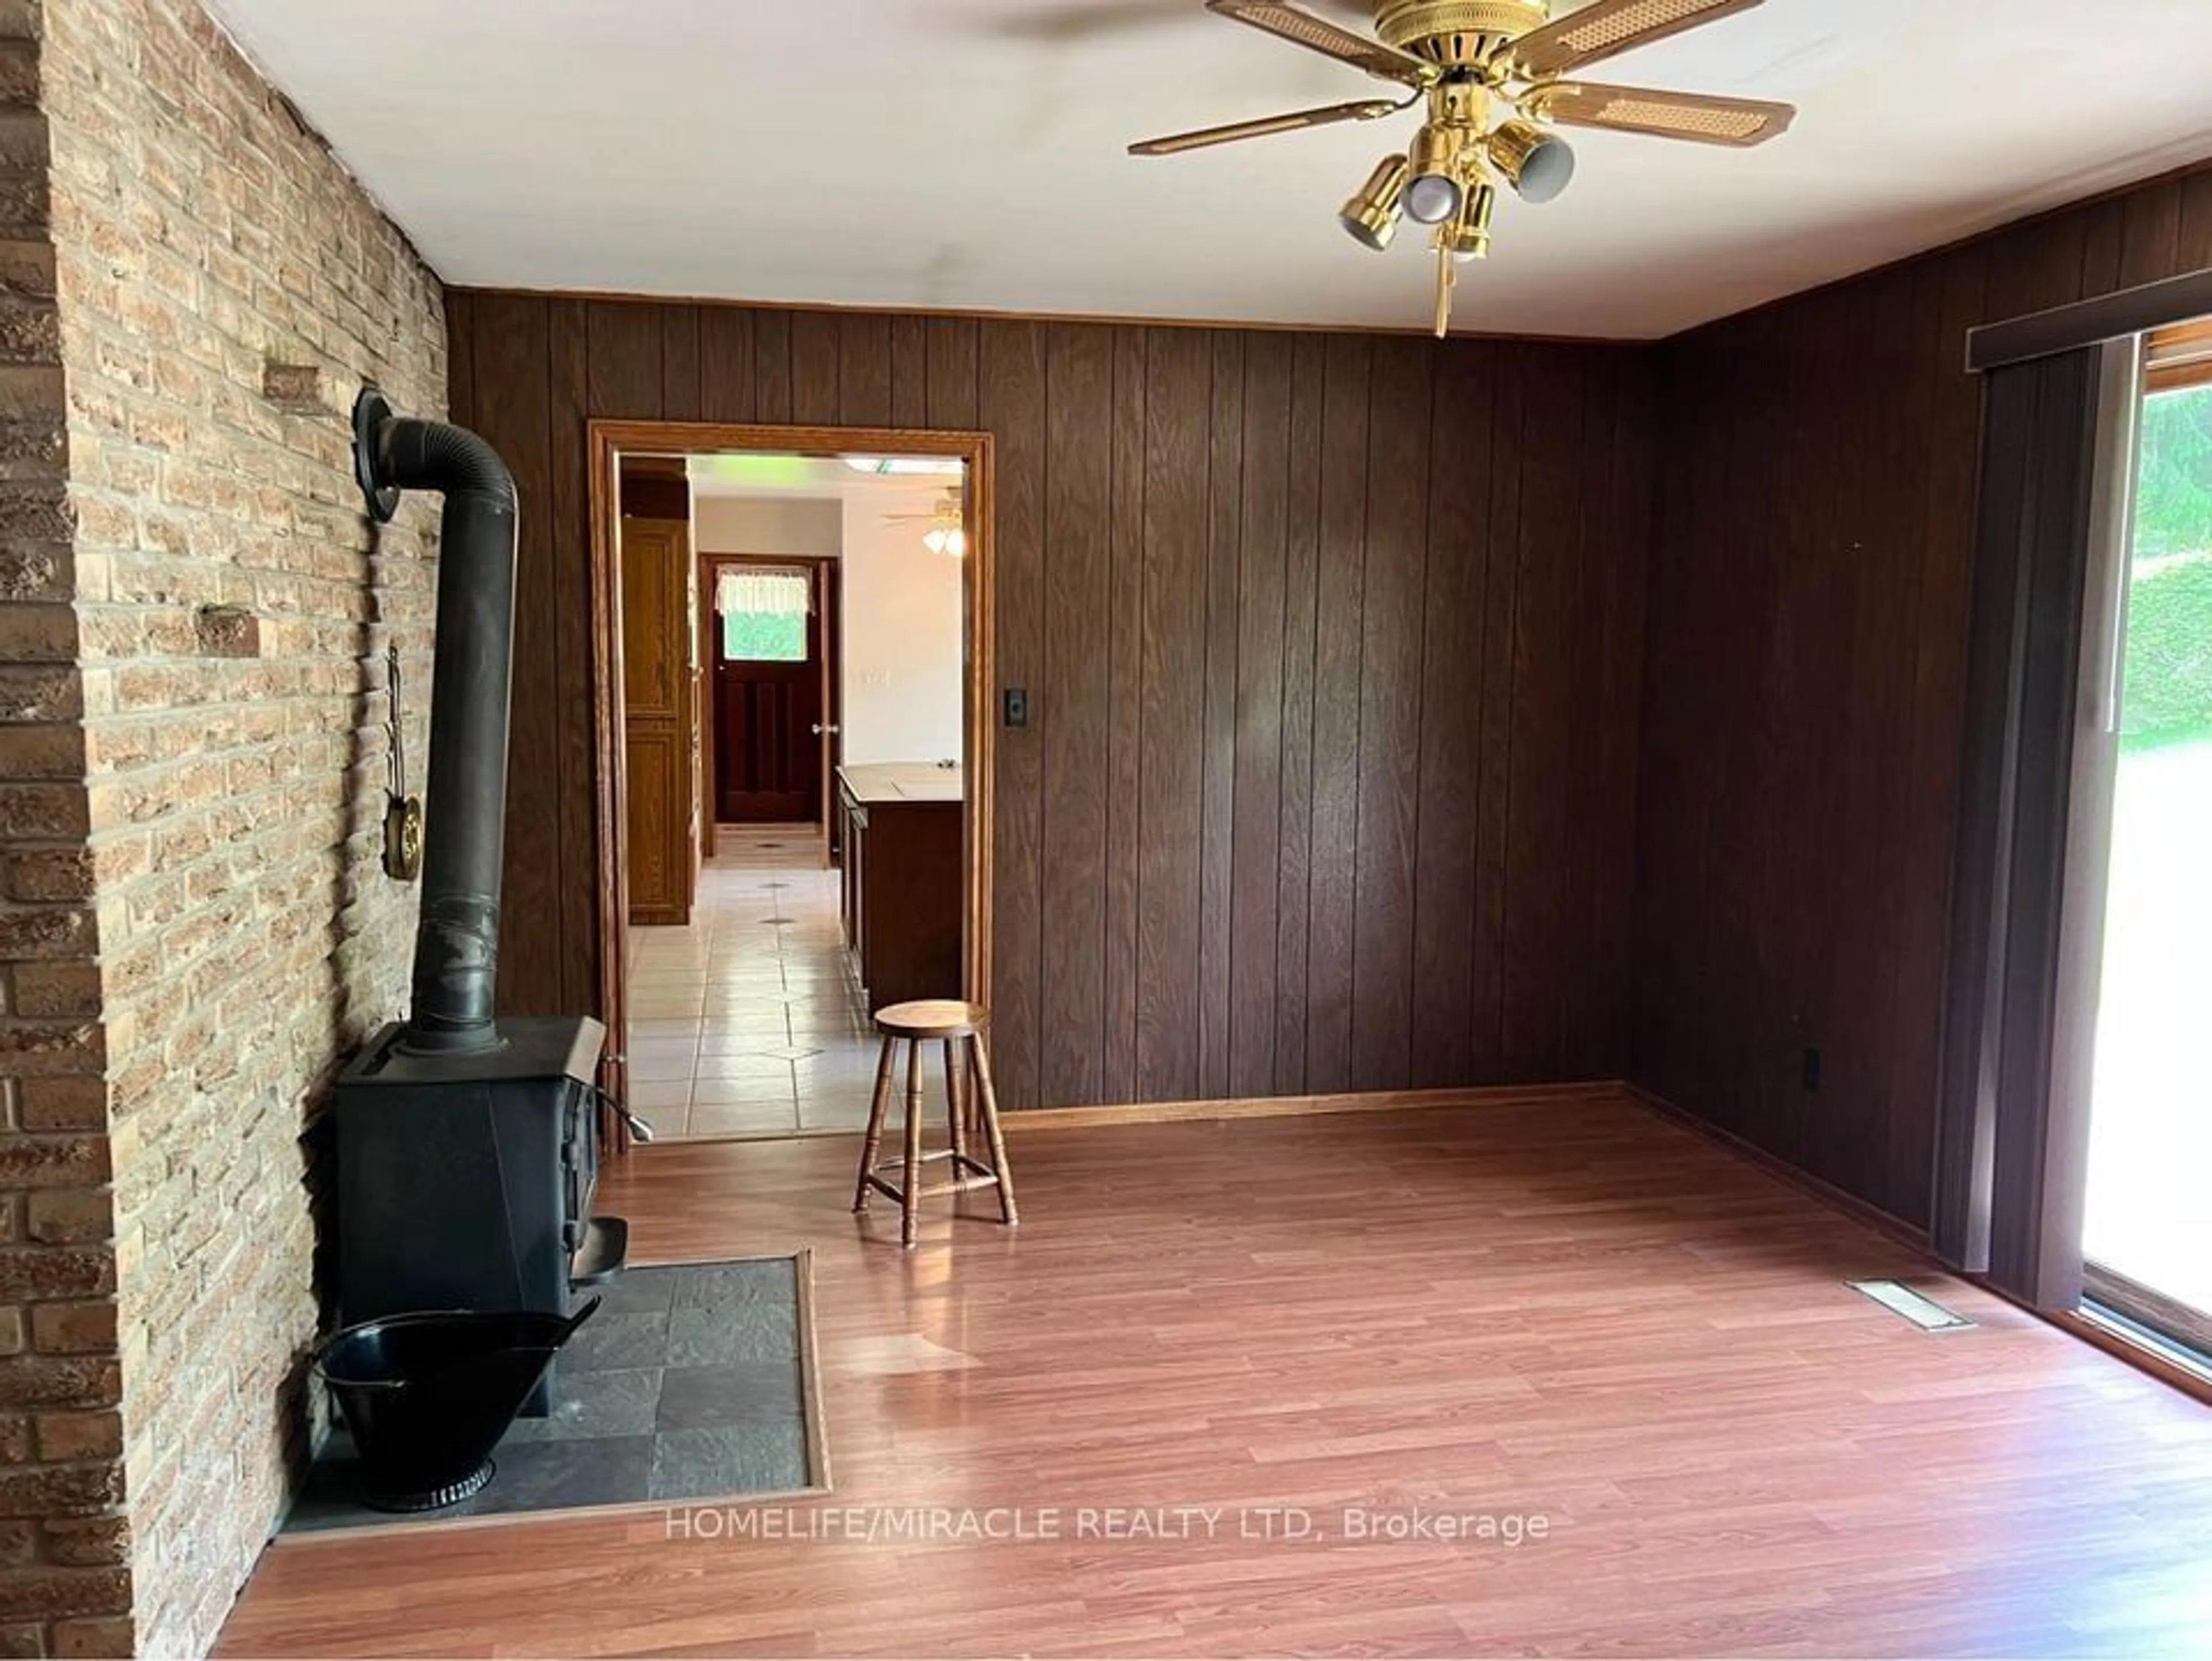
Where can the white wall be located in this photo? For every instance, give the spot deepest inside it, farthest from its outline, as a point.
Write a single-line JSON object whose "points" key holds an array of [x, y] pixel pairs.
{"points": [[768, 525], [903, 635]]}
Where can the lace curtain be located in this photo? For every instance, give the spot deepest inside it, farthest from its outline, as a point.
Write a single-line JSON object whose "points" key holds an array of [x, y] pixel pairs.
{"points": [[764, 594]]}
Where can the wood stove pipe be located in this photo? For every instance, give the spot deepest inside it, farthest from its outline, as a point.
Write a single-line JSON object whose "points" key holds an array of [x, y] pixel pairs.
{"points": [[456, 941]]}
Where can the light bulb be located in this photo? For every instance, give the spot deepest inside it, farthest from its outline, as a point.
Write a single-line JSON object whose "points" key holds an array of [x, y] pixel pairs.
{"points": [[1434, 195], [1432, 198]]}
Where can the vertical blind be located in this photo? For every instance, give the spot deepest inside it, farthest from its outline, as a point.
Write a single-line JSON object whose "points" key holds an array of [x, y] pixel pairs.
{"points": [[2012, 1151]]}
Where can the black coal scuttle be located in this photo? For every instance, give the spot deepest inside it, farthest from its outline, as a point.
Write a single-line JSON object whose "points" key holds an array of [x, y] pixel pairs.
{"points": [[467, 1147]]}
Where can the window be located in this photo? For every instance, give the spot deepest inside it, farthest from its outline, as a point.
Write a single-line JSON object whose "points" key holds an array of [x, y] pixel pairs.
{"points": [[763, 638], [763, 615]]}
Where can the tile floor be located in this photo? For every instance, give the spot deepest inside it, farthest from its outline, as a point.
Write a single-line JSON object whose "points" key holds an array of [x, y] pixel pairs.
{"points": [[745, 1023]]}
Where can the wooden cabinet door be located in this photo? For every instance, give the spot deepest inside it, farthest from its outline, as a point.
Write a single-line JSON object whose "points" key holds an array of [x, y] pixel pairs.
{"points": [[658, 684]]}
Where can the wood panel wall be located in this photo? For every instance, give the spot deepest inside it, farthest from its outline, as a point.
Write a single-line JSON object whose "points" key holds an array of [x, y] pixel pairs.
{"points": [[1333, 647], [1805, 683]]}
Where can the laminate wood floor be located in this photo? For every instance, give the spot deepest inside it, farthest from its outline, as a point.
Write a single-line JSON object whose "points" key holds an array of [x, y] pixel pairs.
{"points": [[1575, 1312]]}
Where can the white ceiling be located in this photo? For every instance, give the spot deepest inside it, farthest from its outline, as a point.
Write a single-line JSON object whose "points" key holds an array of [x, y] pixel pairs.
{"points": [[970, 153]]}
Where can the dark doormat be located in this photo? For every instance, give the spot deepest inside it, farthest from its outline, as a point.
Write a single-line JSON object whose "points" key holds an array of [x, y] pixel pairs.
{"points": [[694, 1382]]}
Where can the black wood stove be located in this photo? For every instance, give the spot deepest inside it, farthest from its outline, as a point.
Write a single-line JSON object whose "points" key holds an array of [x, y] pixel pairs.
{"points": [[467, 1147]]}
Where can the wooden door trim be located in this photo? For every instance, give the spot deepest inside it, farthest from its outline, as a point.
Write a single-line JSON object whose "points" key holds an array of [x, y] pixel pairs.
{"points": [[606, 442]]}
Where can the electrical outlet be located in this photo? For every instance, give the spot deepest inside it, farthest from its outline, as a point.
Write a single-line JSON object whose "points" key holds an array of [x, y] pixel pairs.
{"points": [[1810, 1072]]}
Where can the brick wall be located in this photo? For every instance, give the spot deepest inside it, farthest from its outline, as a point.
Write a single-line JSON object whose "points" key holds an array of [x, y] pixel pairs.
{"points": [[195, 925], [60, 1437]]}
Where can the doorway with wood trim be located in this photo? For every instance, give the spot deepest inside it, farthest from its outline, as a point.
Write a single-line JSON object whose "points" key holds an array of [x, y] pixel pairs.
{"points": [[754, 770]]}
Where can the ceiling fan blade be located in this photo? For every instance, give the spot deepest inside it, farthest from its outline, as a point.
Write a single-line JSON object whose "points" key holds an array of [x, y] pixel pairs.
{"points": [[1303, 28], [1739, 122], [1609, 28], [1371, 109]]}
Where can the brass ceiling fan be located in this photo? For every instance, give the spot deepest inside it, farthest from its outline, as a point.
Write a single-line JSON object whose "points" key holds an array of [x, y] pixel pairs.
{"points": [[947, 519], [1495, 75]]}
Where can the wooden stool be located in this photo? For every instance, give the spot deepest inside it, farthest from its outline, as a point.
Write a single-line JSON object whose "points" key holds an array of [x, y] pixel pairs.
{"points": [[959, 1025]]}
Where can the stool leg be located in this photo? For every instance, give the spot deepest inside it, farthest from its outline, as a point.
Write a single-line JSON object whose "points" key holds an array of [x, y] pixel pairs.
{"points": [[910, 1200], [872, 1144], [955, 1105], [989, 1098]]}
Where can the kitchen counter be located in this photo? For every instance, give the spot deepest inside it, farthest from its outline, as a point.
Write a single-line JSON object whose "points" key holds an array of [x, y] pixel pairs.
{"points": [[871, 783], [900, 832]]}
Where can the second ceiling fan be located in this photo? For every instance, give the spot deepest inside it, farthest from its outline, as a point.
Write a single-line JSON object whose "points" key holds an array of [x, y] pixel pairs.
{"points": [[1495, 75]]}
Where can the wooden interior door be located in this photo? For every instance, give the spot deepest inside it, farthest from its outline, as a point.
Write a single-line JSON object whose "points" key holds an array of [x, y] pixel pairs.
{"points": [[657, 718], [768, 744]]}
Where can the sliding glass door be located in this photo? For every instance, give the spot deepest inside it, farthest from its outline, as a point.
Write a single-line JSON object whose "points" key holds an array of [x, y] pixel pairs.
{"points": [[2148, 1223]]}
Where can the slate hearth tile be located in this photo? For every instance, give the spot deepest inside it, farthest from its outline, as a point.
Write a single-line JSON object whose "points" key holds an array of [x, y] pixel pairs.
{"points": [[734, 1393], [610, 1342], [587, 1406], [606, 1470], [702, 1337], [637, 1291], [768, 1280], [698, 1464]]}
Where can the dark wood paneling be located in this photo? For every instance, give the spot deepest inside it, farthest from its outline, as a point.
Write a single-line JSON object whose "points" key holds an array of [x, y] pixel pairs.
{"points": [[1170, 709], [1077, 594], [1493, 711], [1256, 810], [571, 801], [1393, 577], [815, 367], [680, 390], [1806, 647], [512, 335], [909, 372], [1218, 803], [727, 388], [1264, 590], [951, 372], [864, 370], [1014, 406], [622, 362], [1459, 542], [1124, 736], [1339, 598], [2194, 252], [1294, 878]]}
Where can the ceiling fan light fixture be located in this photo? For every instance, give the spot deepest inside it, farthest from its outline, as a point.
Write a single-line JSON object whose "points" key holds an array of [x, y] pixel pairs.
{"points": [[1468, 235], [1537, 164], [1434, 193], [1371, 216]]}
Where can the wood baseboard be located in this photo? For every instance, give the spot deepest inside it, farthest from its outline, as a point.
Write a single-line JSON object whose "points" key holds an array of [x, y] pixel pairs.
{"points": [[1284, 1107], [1827, 1193]]}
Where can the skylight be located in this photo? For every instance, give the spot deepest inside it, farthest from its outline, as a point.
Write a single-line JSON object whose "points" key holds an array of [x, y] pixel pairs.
{"points": [[893, 466]]}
